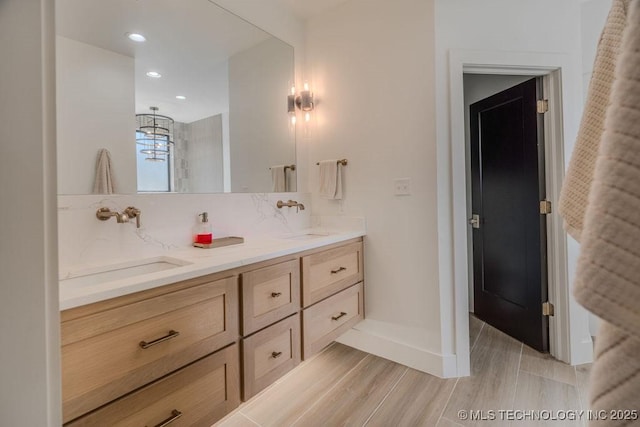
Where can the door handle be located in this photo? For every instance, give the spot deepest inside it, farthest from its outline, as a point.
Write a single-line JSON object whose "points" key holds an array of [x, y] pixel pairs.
{"points": [[475, 221]]}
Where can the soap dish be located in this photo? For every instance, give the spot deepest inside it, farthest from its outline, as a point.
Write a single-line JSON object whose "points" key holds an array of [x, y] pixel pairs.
{"points": [[222, 241]]}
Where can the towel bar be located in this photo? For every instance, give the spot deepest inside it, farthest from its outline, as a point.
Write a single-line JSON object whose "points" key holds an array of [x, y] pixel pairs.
{"points": [[292, 167], [342, 162]]}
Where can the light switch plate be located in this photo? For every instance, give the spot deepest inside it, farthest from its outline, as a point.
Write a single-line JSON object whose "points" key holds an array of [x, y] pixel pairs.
{"points": [[402, 186]]}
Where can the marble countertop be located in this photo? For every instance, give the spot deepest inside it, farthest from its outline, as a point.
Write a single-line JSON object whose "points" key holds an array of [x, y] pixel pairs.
{"points": [[198, 262]]}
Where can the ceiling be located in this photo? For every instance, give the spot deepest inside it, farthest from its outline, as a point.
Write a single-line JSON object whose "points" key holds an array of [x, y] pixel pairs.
{"points": [[305, 9], [188, 41]]}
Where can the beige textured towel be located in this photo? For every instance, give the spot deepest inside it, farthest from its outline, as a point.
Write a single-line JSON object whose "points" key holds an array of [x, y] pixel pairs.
{"points": [[104, 182], [577, 184], [608, 274]]}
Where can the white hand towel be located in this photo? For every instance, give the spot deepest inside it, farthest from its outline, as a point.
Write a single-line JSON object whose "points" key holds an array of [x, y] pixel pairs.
{"points": [[278, 179], [104, 182], [330, 180]]}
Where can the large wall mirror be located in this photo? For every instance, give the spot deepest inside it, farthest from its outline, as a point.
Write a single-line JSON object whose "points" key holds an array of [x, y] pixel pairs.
{"points": [[198, 106]]}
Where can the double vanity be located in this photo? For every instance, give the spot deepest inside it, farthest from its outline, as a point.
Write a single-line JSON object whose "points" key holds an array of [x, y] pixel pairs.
{"points": [[181, 340]]}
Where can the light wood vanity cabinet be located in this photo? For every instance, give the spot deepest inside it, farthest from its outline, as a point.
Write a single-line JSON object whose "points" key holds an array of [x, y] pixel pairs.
{"points": [[328, 319], [272, 294], [269, 294], [197, 395], [180, 352], [269, 354], [327, 272], [332, 295], [114, 347]]}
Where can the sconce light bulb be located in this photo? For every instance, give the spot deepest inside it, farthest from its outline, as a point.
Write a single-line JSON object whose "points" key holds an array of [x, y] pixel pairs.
{"points": [[307, 117], [293, 90], [306, 86], [293, 120]]}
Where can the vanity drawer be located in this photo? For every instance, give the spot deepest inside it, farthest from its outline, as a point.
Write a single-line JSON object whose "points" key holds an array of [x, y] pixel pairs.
{"points": [[269, 294], [269, 354], [103, 356], [325, 273], [202, 393], [327, 320]]}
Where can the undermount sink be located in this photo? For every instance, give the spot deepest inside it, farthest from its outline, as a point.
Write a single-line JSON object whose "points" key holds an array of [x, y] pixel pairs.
{"points": [[123, 270], [307, 236]]}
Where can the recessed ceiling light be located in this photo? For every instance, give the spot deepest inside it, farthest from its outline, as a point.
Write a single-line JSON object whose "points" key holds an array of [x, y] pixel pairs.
{"points": [[136, 37], [181, 97], [154, 74]]}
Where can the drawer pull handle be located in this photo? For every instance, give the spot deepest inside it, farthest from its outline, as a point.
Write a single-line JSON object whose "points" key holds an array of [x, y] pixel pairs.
{"points": [[172, 334], [276, 354], [342, 314], [338, 270], [175, 414], [275, 294]]}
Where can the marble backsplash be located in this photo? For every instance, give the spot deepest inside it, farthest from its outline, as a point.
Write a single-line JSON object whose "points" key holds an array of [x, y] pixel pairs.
{"points": [[167, 222]]}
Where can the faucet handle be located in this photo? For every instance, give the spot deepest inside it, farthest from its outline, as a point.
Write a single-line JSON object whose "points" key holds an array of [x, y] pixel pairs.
{"points": [[133, 212]]}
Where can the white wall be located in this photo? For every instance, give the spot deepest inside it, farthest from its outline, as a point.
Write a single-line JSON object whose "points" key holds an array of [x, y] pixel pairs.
{"points": [[260, 79], [370, 64], [167, 223], [205, 155], [95, 109], [277, 19], [544, 26], [29, 337]]}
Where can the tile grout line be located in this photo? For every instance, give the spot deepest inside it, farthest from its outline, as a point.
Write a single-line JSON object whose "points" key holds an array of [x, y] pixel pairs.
{"points": [[385, 397], [475, 342], [477, 338], [250, 419], [580, 396], [547, 378], [515, 390], [444, 407], [331, 389]]}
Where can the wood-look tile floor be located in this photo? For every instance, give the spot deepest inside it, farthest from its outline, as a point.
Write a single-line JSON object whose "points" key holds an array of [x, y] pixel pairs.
{"points": [[346, 387]]}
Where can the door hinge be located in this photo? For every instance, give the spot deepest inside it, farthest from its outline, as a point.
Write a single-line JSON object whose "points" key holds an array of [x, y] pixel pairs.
{"points": [[545, 207], [542, 106], [547, 309]]}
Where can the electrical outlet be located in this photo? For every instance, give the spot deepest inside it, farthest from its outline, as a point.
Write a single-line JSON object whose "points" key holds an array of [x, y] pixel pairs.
{"points": [[402, 186]]}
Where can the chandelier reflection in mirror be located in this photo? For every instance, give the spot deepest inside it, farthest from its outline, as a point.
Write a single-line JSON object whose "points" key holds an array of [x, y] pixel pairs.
{"points": [[154, 135]]}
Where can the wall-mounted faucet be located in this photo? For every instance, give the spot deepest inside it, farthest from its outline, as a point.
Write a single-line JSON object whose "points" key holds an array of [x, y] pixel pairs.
{"points": [[103, 214], [290, 204]]}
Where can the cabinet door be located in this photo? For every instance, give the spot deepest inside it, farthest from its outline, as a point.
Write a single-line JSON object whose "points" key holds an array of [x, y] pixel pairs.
{"points": [[108, 354], [269, 294], [327, 272], [198, 395]]}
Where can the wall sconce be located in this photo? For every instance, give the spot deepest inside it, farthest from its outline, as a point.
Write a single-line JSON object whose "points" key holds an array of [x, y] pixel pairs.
{"points": [[304, 101]]}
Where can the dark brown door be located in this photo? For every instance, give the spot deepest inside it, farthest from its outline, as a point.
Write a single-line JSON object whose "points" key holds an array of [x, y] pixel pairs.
{"points": [[509, 233]]}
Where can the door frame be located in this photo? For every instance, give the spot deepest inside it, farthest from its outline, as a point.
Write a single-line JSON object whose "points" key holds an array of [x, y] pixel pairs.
{"points": [[566, 340]]}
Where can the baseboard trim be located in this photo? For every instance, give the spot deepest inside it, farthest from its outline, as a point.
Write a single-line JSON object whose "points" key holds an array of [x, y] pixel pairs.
{"points": [[583, 353], [443, 366]]}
